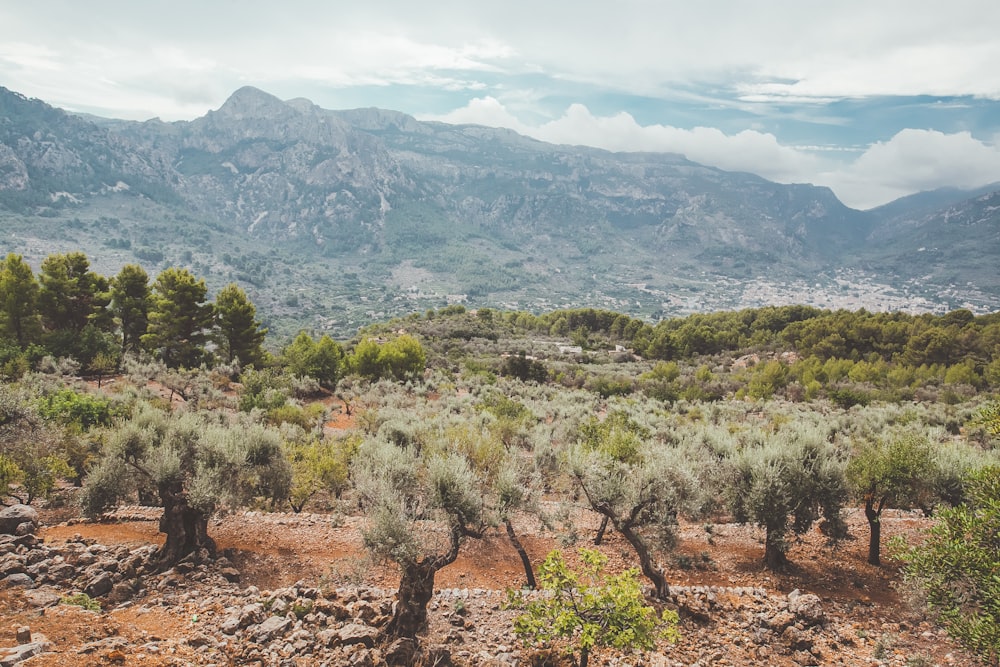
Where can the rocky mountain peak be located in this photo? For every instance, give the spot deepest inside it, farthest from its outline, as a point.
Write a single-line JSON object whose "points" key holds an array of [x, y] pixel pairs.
{"points": [[250, 103]]}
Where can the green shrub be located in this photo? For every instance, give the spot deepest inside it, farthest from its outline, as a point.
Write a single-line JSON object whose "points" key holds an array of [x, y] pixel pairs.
{"points": [[589, 609]]}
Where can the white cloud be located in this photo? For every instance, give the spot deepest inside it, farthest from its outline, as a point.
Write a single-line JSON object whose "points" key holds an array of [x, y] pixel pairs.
{"points": [[911, 161], [915, 160]]}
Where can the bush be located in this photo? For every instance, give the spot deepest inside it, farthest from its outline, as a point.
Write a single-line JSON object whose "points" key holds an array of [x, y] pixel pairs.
{"points": [[956, 568], [589, 609]]}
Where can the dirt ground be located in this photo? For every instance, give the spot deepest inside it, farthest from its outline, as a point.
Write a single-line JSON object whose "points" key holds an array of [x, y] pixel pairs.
{"points": [[277, 550]]}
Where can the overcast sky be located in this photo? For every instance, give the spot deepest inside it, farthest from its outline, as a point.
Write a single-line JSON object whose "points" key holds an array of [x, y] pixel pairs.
{"points": [[874, 98]]}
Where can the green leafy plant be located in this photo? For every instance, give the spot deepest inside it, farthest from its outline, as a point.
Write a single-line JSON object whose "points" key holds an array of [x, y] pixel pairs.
{"points": [[957, 569], [81, 600], [589, 609]]}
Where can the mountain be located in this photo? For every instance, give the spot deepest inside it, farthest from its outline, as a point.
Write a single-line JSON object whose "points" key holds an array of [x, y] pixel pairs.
{"points": [[329, 218]]}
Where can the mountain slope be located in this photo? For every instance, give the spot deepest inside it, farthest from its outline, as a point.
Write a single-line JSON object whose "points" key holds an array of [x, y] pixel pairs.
{"points": [[332, 217]]}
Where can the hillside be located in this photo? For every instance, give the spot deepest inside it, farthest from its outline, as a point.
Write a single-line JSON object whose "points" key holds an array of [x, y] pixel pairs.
{"points": [[331, 219]]}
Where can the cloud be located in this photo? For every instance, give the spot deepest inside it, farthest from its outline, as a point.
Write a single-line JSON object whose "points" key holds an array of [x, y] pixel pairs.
{"points": [[915, 160], [749, 150], [911, 161]]}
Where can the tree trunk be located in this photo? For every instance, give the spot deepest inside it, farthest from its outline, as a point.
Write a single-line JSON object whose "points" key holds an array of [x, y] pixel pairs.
{"points": [[774, 551], [661, 589], [584, 657], [529, 572], [874, 534], [600, 531], [186, 528], [416, 588]]}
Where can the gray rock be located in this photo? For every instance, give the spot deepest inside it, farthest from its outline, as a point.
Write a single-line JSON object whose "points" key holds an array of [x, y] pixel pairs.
{"points": [[13, 516], [230, 625], [18, 579], [22, 652], [99, 585], [272, 627], [42, 597], [252, 614], [806, 607], [357, 633], [400, 653]]}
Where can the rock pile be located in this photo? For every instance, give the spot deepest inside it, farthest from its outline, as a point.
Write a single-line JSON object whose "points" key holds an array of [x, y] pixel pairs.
{"points": [[220, 622]]}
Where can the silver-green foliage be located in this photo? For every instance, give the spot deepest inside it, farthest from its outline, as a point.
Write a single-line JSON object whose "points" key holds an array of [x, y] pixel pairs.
{"points": [[216, 464], [784, 482]]}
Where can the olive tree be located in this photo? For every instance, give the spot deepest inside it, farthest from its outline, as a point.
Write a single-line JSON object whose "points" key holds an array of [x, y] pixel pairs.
{"points": [[194, 465], [33, 452], [786, 482], [896, 471], [640, 487], [420, 506]]}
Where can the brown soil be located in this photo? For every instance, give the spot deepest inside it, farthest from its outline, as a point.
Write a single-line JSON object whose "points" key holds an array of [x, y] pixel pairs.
{"points": [[273, 551]]}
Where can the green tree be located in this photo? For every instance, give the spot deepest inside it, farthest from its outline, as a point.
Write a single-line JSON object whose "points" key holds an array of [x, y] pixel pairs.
{"points": [[322, 360], [403, 357], [794, 475], [890, 472], [240, 335], [130, 302], [366, 359], [194, 465], [590, 609], [33, 453], [319, 466], [71, 295], [401, 491], [400, 359], [19, 301], [179, 319], [637, 486], [957, 568]]}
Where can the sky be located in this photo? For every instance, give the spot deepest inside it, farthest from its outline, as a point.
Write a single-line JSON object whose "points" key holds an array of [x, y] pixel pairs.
{"points": [[876, 99]]}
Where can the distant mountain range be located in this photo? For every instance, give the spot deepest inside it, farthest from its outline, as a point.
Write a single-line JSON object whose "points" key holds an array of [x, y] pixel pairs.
{"points": [[332, 218]]}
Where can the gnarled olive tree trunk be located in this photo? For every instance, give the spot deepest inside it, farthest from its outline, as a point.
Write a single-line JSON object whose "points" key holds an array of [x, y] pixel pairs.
{"points": [[416, 588], [186, 528]]}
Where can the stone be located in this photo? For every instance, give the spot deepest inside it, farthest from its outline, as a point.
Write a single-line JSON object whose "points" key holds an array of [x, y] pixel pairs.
{"points": [[122, 591], [23, 635], [806, 607], [13, 516], [357, 633], [230, 574], [780, 621], [99, 585], [400, 652], [272, 627], [252, 614], [42, 597], [18, 579], [20, 653], [230, 625]]}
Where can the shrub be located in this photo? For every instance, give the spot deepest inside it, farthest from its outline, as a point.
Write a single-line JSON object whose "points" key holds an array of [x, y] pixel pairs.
{"points": [[956, 567], [589, 609]]}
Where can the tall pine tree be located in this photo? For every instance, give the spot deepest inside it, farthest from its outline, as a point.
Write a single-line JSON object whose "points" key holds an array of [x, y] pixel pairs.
{"points": [[180, 320], [239, 334]]}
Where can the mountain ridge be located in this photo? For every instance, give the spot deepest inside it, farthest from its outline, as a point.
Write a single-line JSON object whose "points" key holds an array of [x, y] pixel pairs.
{"points": [[417, 213]]}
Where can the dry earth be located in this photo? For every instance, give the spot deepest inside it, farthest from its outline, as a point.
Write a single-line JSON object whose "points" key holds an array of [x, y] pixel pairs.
{"points": [[733, 611]]}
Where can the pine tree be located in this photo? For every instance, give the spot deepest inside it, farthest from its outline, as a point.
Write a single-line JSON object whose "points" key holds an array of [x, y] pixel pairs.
{"points": [[179, 320], [130, 302], [19, 300], [239, 334]]}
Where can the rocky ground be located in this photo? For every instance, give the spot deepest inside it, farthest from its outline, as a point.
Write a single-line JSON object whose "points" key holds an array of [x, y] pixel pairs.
{"points": [[298, 590]]}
